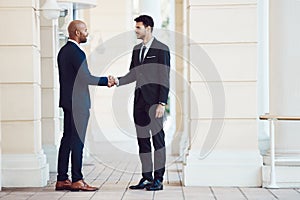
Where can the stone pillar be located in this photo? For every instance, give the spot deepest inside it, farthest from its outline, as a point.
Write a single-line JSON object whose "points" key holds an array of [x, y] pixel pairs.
{"points": [[180, 140], [227, 32], [23, 160], [263, 75], [0, 136], [285, 89], [50, 92]]}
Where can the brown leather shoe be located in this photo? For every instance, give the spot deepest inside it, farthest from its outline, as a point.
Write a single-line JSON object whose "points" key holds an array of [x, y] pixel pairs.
{"points": [[83, 186], [63, 185]]}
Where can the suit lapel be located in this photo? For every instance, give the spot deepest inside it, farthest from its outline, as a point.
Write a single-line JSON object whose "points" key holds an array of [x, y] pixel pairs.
{"points": [[136, 54], [151, 50]]}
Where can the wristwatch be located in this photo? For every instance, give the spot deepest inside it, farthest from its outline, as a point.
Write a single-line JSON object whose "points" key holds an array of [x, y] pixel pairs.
{"points": [[162, 103]]}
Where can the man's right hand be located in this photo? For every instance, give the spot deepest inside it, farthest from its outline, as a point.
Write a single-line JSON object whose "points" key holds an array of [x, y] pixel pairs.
{"points": [[112, 81]]}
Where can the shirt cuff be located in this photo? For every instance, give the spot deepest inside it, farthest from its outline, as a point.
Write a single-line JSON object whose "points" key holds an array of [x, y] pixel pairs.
{"points": [[162, 103], [117, 81]]}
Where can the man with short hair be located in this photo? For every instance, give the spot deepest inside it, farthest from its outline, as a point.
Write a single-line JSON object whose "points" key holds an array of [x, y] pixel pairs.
{"points": [[150, 68], [74, 79]]}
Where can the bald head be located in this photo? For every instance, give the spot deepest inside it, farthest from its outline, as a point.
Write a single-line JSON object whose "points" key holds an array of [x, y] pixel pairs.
{"points": [[77, 31]]}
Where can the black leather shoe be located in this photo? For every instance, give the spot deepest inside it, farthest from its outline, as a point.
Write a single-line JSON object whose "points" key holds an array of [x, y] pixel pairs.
{"points": [[156, 185], [141, 185]]}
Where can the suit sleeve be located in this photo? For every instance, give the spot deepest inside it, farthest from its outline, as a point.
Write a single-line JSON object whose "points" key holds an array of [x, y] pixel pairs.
{"points": [[84, 75], [130, 76], [164, 75]]}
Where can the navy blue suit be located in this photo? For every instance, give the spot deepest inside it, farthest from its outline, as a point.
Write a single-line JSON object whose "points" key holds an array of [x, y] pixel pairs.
{"points": [[74, 78], [152, 87]]}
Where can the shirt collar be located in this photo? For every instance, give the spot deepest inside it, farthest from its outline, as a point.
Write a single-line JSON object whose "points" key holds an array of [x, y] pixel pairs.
{"points": [[148, 44], [70, 40]]}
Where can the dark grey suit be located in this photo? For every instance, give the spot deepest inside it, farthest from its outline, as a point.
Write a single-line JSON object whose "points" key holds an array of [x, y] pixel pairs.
{"points": [[152, 87]]}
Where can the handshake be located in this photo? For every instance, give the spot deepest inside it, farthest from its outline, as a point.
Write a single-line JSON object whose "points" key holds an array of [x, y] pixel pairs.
{"points": [[112, 81]]}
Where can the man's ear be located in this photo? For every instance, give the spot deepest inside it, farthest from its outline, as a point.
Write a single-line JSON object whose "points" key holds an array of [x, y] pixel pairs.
{"points": [[148, 28]]}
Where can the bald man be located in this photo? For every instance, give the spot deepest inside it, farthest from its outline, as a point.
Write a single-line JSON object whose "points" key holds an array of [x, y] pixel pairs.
{"points": [[74, 78]]}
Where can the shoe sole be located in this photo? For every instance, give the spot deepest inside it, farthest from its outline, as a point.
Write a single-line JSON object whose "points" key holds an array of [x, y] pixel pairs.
{"points": [[141, 188], [137, 188], [77, 190], [155, 189], [61, 189]]}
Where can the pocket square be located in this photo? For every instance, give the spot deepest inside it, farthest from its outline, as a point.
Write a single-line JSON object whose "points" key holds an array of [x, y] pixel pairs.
{"points": [[150, 56]]}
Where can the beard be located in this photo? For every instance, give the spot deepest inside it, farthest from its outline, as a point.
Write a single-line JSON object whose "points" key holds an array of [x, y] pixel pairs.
{"points": [[83, 40]]}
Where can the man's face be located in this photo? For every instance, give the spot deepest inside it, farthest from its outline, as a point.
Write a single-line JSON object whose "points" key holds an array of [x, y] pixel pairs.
{"points": [[83, 33], [140, 30]]}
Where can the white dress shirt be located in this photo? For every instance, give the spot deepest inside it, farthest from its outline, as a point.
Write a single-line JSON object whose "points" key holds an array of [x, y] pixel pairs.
{"points": [[147, 45]]}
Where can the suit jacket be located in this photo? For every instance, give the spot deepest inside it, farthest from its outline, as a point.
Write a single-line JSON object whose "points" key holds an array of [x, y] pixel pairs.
{"points": [[74, 78], [152, 75]]}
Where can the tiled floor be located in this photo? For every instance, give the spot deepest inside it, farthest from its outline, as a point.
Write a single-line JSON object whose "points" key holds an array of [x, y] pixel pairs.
{"points": [[115, 175]]}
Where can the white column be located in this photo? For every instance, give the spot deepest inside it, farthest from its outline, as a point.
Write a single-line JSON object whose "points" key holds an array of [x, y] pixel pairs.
{"points": [[180, 141], [50, 92], [152, 8], [0, 139], [179, 85], [227, 32], [285, 89], [23, 161], [263, 74], [185, 140]]}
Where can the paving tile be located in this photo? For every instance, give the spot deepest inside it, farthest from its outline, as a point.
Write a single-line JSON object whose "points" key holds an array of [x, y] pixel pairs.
{"points": [[25, 190], [17, 196], [104, 195], [227, 193], [191, 193], [96, 183], [111, 187], [126, 177], [286, 194], [3, 193], [138, 195], [47, 196], [257, 194], [82, 194], [75, 198], [169, 194]]}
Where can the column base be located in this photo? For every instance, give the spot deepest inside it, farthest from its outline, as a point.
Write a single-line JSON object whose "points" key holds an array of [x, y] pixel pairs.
{"points": [[223, 168], [286, 176], [30, 170], [51, 152]]}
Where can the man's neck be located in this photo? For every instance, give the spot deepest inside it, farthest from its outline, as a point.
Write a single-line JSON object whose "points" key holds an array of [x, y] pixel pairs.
{"points": [[147, 39], [75, 39]]}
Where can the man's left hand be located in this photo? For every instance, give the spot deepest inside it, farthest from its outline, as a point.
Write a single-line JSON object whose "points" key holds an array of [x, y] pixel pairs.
{"points": [[160, 110]]}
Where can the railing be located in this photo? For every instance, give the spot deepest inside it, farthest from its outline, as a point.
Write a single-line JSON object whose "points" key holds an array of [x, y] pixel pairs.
{"points": [[272, 119]]}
